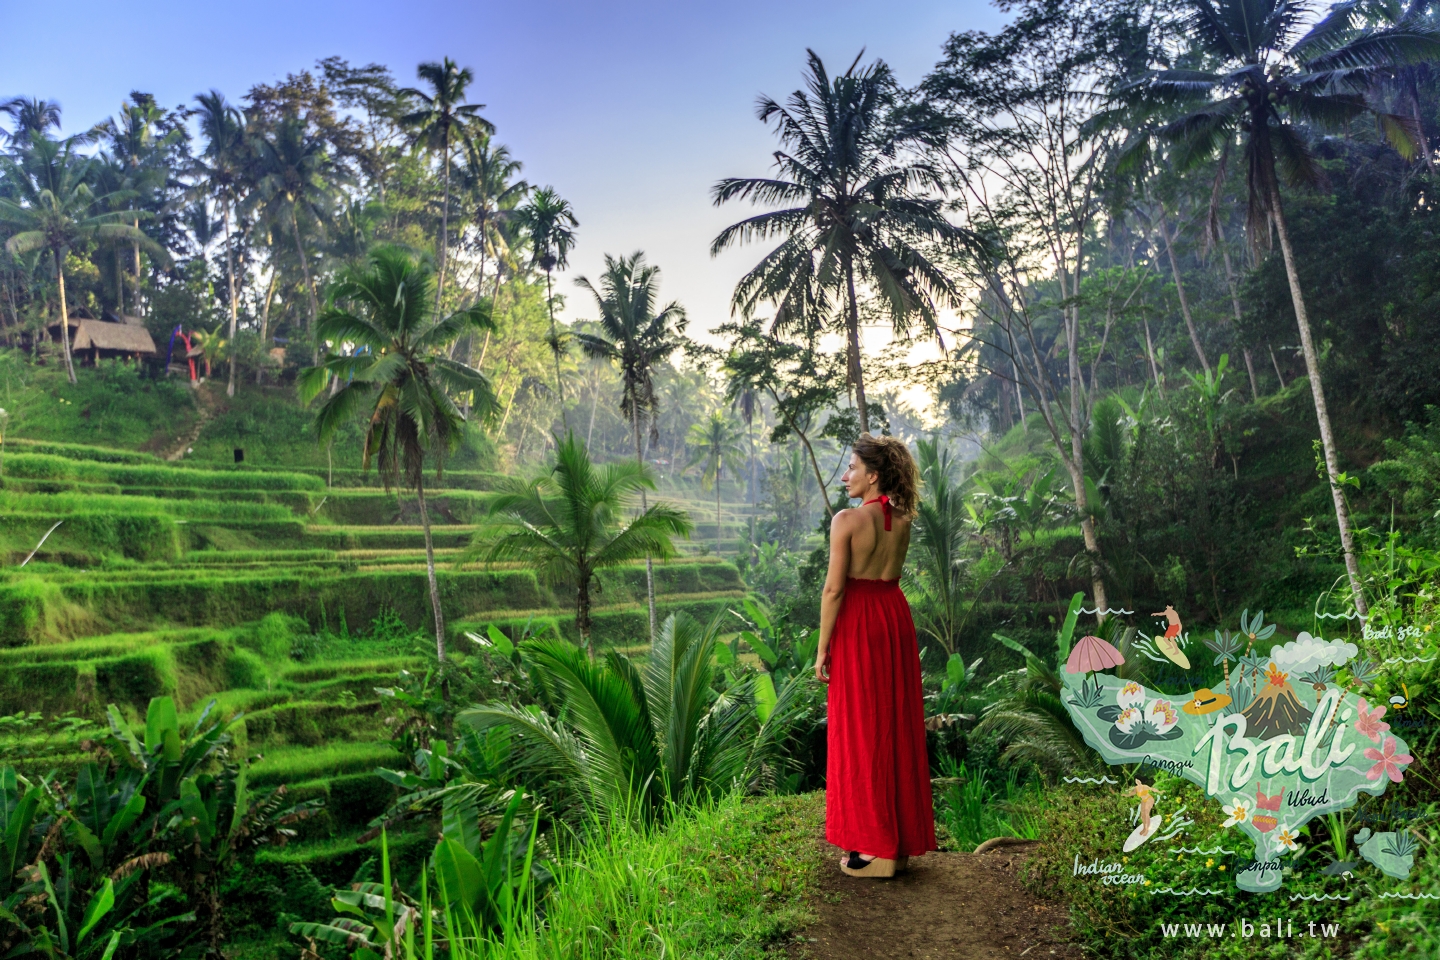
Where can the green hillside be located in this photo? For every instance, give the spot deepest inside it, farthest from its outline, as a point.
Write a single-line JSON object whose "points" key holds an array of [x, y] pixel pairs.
{"points": [[277, 597]]}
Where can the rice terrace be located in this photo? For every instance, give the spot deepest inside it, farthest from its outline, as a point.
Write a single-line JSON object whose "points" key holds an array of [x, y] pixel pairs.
{"points": [[584, 481]]}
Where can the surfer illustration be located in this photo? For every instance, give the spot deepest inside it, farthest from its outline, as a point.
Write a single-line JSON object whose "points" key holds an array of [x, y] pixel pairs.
{"points": [[1147, 795], [1167, 643]]}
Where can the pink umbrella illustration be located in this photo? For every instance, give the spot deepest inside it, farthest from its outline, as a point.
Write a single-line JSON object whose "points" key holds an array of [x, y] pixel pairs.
{"points": [[1092, 654], [1089, 655]]}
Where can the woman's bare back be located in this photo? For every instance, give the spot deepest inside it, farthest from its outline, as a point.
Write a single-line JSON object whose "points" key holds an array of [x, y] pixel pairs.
{"points": [[876, 553]]}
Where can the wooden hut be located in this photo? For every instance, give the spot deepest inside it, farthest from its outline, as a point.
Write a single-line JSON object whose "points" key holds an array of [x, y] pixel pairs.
{"points": [[109, 337]]}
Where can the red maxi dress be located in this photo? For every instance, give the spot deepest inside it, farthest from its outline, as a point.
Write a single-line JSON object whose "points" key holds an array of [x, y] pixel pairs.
{"points": [[877, 780]]}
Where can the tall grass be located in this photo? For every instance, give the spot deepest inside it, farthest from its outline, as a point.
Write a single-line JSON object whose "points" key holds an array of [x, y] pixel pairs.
{"points": [[727, 879], [978, 804]]}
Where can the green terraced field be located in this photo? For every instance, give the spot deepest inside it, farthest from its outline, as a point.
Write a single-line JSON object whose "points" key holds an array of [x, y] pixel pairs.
{"points": [[256, 589]]}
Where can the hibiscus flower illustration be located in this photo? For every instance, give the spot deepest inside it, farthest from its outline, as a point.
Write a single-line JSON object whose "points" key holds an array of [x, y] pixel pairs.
{"points": [[1368, 723], [1238, 812], [1387, 761]]}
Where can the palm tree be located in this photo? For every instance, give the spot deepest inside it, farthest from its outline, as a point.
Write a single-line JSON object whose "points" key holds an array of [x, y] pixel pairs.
{"points": [[441, 121], [1225, 646], [715, 442], [56, 209], [32, 116], [568, 524], [550, 222], [940, 527], [295, 174], [636, 739], [856, 214], [488, 180], [398, 372], [223, 127], [136, 149], [1266, 80], [634, 335]]}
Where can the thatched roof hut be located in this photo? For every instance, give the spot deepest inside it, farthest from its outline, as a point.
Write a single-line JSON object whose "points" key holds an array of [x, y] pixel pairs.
{"points": [[113, 336]]}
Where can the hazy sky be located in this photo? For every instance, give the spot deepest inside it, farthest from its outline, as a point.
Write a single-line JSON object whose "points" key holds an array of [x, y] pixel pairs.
{"points": [[631, 110]]}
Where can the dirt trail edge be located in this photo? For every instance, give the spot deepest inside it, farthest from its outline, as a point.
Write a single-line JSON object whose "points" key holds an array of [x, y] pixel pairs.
{"points": [[961, 905]]}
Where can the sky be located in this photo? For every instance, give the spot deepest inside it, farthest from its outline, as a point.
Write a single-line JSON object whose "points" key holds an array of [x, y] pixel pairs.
{"points": [[632, 111]]}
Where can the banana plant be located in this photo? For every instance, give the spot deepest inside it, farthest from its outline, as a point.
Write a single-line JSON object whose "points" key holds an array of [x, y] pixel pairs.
{"points": [[377, 919], [489, 881]]}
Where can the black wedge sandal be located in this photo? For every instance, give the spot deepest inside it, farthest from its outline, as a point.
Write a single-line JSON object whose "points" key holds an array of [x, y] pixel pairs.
{"points": [[857, 866]]}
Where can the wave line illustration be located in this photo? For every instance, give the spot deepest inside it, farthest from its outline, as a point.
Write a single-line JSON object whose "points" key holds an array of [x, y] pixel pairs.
{"points": [[1192, 892], [1317, 896], [1411, 896], [1409, 659], [1100, 782], [1203, 852], [1108, 612]]}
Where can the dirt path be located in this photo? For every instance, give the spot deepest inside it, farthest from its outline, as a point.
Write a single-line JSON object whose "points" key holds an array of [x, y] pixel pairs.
{"points": [[205, 409], [960, 905]]}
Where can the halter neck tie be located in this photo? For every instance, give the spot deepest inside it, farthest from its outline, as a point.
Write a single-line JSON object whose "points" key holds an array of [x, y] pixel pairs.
{"points": [[884, 502]]}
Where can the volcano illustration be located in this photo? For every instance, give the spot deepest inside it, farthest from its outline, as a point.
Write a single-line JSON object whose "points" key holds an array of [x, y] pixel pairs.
{"points": [[1276, 710]]}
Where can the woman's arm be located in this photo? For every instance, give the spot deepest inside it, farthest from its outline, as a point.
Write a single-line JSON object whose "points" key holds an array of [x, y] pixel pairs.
{"points": [[834, 590]]}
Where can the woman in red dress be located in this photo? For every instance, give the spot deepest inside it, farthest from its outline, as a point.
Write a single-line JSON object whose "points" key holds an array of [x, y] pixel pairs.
{"points": [[877, 785]]}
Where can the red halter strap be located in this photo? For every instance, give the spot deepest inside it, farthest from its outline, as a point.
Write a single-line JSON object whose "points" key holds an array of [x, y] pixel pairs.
{"points": [[884, 502]]}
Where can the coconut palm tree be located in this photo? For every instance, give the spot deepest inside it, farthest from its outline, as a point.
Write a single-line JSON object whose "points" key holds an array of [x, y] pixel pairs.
{"points": [[296, 178], [550, 222], [636, 740], [220, 170], [32, 116], [388, 348], [488, 181], [569, 523], [715, 442], [56, 209], [1267, 78], [854, 214], [441, 122], [639, 338], [133, 145]]}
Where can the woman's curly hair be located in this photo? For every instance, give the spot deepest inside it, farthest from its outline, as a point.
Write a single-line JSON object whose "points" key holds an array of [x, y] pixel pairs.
{"points": [[890, 460]]}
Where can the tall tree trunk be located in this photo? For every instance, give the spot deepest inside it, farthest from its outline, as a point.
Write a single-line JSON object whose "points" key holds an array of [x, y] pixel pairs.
{"points": [[440, 254], [230, 280], [430, 574], [1276, 364], [1322, 415], [594, 405], [64, 314], [644, 505], [582, 613], [555, 349], [265, 323], [135, 248], [1184, 301], [718, 542], [1150, 355], [1235, 307], [1019, 394], [1076, 464], [852, 330], [309, 284], [119, 282]]}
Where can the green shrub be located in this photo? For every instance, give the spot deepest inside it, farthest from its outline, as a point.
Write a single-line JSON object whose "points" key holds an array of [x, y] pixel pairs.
{"points": [[274, 635], [244, 669]]}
